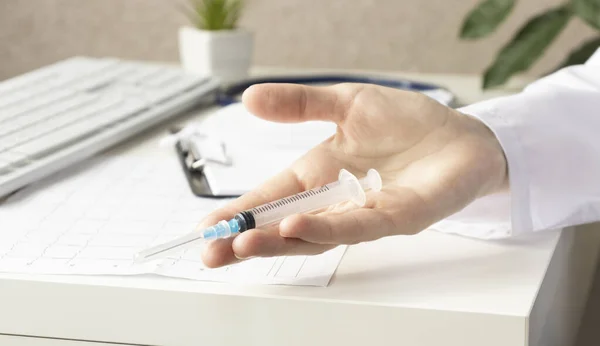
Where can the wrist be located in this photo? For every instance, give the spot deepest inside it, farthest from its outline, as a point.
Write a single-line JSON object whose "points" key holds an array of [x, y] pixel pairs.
{"points": [[493, 163]]}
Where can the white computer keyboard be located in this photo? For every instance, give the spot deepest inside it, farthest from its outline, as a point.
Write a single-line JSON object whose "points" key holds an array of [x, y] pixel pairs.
{"points": [[63, 113]]}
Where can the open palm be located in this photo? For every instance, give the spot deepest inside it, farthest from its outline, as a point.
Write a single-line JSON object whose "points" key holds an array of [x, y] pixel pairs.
{"points": [[433, 161]]}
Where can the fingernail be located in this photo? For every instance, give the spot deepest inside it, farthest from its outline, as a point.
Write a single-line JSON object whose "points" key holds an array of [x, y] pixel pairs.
{"points": [[243, 258]]}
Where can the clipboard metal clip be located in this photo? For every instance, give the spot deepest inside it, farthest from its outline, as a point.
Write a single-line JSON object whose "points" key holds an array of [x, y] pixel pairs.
{"points": [[200, 149], [195, 150]]}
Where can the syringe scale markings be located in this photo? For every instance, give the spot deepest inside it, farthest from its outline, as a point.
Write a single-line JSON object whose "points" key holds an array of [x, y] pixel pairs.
{"points": [[289, 200]]}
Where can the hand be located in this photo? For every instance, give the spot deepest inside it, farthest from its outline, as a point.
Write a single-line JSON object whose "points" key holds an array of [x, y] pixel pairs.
{"points": [[433, 160]]}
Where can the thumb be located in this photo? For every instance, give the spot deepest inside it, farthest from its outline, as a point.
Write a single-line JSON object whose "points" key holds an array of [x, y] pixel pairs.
{"points": [[290, 103]]}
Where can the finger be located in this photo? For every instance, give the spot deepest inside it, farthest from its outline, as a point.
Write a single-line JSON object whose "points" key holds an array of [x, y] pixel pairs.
{"points": [[268, 243], [219, 253], [351, 227], [295, 102]]}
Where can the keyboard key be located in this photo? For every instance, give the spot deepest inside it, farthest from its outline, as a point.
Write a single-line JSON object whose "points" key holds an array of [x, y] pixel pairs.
{"points": [[12, 98], [81, 73], [5, 167], [185, 83], [48, 132], [65, 135], [100, 81], [26, 81], [34, 103], [11, 160], [69, 104], [160, 79], [140, 73]]}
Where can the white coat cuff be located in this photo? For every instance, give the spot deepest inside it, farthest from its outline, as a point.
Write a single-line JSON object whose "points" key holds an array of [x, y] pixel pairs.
{"points": [[499, 115]]}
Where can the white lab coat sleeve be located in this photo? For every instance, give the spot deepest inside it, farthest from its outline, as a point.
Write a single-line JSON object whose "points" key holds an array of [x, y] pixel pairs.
{"points": [[550, 134]]}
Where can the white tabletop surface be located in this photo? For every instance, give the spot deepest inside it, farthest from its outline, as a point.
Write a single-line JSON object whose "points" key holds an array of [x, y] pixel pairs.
{"points": [[430, 271], [427, 271]]}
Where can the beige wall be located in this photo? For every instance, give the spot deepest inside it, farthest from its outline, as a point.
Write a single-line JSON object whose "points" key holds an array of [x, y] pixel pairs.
{"points": [[409, 35]]}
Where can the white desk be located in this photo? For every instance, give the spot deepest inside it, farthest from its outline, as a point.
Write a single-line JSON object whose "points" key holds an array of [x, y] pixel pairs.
{"points": [[430, 289]]}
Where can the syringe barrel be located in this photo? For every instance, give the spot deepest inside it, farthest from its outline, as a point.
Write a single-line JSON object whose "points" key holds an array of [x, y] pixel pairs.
{"points": [[305, 202]]}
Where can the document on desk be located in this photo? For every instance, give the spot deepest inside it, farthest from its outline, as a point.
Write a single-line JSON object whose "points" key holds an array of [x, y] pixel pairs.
{"points": [[92, 219], [257, 147]]}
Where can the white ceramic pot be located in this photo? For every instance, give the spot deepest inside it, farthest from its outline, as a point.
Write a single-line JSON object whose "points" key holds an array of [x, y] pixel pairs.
{"points": [[223, 54]]}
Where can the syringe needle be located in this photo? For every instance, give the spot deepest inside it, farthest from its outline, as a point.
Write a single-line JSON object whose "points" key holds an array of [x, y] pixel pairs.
{"points": [[165, 249]]}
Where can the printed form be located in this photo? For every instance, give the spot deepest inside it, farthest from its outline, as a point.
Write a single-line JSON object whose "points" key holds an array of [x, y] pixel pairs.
{"points": [[93, 218]]}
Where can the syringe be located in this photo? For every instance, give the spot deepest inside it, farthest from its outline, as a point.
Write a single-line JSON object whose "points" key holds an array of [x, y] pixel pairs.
{"points": [[346, 188]]}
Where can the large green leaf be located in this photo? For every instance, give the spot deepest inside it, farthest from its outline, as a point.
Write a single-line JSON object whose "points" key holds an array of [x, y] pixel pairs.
{"points": [[526, 46], [581, 54], [485, 18], [588, 10]]}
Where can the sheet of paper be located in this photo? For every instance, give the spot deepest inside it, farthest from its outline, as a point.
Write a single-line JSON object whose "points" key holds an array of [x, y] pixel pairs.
{"points": [[94, 218], [247, 171], [258, 148]]}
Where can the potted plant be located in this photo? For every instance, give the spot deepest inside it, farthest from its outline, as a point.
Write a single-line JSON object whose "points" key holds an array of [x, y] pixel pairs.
{"points": [[531, 40], [213, 45]]}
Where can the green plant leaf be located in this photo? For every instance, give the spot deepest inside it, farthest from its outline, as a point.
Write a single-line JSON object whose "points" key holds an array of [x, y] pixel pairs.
{"points": [[527, 46], [234, 12], [588, 10], [187, 11], [214, 14], [581, 54], [485, 18]]}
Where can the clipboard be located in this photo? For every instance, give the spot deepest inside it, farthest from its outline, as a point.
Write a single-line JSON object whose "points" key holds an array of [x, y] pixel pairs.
{"points": [[196, 179]]}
